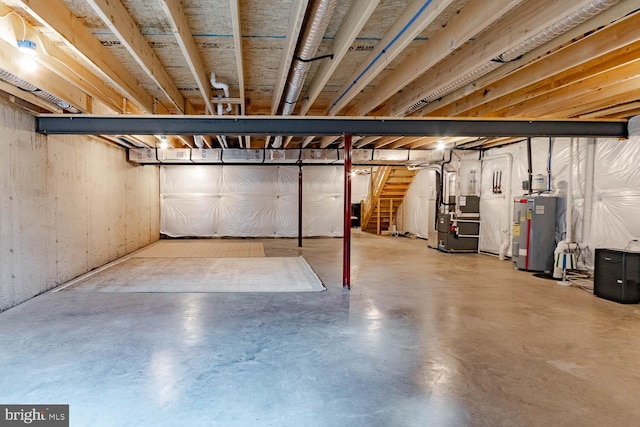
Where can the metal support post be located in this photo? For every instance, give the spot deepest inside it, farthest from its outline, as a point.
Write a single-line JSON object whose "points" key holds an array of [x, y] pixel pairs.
{"points": [[346, 247]]}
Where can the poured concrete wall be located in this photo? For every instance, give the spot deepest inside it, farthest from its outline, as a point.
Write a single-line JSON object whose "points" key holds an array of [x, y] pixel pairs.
{"points": [[68, 204]]}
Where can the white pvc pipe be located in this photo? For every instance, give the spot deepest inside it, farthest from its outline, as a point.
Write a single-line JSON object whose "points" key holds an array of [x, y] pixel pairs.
{"points": [[588, 190], [223, 86], [506, 231]]}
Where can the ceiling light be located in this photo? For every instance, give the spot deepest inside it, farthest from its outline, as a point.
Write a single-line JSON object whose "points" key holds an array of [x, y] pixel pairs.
{"points": [[28, 64], [164, 143], [27, 47], [440, 145]]}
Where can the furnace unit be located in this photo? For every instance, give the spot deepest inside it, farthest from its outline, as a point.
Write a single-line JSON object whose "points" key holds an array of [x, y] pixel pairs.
{"points": [[534, 223], [459, 225]]}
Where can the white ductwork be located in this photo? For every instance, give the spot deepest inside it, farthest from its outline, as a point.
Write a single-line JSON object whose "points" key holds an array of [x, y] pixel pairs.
{"points": [[28, 87], [562, 26]]}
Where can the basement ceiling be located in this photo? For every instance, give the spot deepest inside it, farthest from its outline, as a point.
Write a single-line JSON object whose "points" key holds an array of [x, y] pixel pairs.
{"points": [[543, 59]]}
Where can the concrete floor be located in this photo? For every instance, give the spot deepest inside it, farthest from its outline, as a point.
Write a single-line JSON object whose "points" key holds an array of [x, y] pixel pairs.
{"points": [[422, 339]]}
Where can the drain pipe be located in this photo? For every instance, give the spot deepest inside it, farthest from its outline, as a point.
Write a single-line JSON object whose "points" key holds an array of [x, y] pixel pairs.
{"points": [[311, 38], [506, 231], [560, 27], [564, 254], [225, 87]]}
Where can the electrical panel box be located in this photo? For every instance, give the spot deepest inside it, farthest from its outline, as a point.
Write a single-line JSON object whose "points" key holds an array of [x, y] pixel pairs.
{"points": [[617, 275], [533, 234]]}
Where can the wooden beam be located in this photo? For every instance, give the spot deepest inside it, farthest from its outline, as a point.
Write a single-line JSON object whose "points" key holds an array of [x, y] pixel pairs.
{"points": [[470, 21], [237, 43], [55, 15], [386, 141], [415, 18], [117, 18], [550, 102], [27, 100], [351, 25], [366, 141], [618, 40], [525, 22], [59, 62], [42, 78], [298, 11], [180, 28], [602, 20], [402, 142], [618, 111]]}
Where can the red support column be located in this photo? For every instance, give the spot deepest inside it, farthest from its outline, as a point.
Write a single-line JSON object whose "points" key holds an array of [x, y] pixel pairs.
{"points": [[346, 247]]}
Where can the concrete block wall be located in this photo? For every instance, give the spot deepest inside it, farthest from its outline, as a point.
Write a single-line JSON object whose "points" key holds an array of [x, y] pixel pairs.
{"points": [[68, 204]]}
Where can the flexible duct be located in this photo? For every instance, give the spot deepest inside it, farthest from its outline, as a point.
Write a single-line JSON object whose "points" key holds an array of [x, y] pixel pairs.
{"points": [[312, 37], [28, 87], [562, 26]]}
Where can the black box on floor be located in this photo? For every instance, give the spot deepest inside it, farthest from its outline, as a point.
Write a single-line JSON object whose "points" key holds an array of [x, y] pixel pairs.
{"points": [[617, 275]]}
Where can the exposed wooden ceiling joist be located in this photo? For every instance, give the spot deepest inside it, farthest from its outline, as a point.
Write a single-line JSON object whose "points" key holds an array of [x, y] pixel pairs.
{"points": [[618, 37], [43, 79], [414, 19], [602, 20], [180, 27], [472, 20], [54, 15], [119, 21], [59, 62], [352, 24], [516, 28], [237, 43], [298, 11]]}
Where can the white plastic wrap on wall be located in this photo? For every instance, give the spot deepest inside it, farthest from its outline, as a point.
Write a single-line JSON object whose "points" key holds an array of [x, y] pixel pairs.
{"points": [[415, 208], [250, 201], [616, 198]]}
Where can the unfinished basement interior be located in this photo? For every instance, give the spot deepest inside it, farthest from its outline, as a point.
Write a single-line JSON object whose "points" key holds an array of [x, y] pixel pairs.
{"points": [[319, 212]]}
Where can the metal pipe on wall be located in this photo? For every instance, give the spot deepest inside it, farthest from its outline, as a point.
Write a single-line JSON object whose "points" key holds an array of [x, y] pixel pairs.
{"points": [[346, 239]]}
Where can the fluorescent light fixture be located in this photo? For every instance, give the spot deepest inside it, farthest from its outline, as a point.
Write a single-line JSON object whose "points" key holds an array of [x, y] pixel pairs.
{"points": [[27, 47]]}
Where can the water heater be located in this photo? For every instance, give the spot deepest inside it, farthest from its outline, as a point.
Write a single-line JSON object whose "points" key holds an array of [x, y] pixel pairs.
{"points": [[534, 223]]}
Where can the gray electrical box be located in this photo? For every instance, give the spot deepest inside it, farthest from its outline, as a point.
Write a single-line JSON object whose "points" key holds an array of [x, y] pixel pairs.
{"points": [[534, 223]]}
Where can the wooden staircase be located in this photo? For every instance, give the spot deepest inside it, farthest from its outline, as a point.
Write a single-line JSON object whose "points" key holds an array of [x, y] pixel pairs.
{"points": [[389, 185]]}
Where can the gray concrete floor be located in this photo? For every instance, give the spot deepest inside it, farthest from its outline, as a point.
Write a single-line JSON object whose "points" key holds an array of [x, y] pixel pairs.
{"points": [[422, 339]]}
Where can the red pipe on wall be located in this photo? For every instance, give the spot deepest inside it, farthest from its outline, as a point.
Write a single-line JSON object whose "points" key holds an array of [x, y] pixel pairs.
{"points": [[346, 239]]}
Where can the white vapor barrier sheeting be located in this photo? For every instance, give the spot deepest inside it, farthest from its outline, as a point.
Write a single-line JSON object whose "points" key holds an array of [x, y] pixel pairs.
{"points": [[415, 209], [616, 199], [250, 201]]}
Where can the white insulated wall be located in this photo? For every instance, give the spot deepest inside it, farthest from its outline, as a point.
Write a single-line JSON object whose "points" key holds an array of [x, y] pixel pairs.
{"points": [[253, 201], [68, 204]]}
